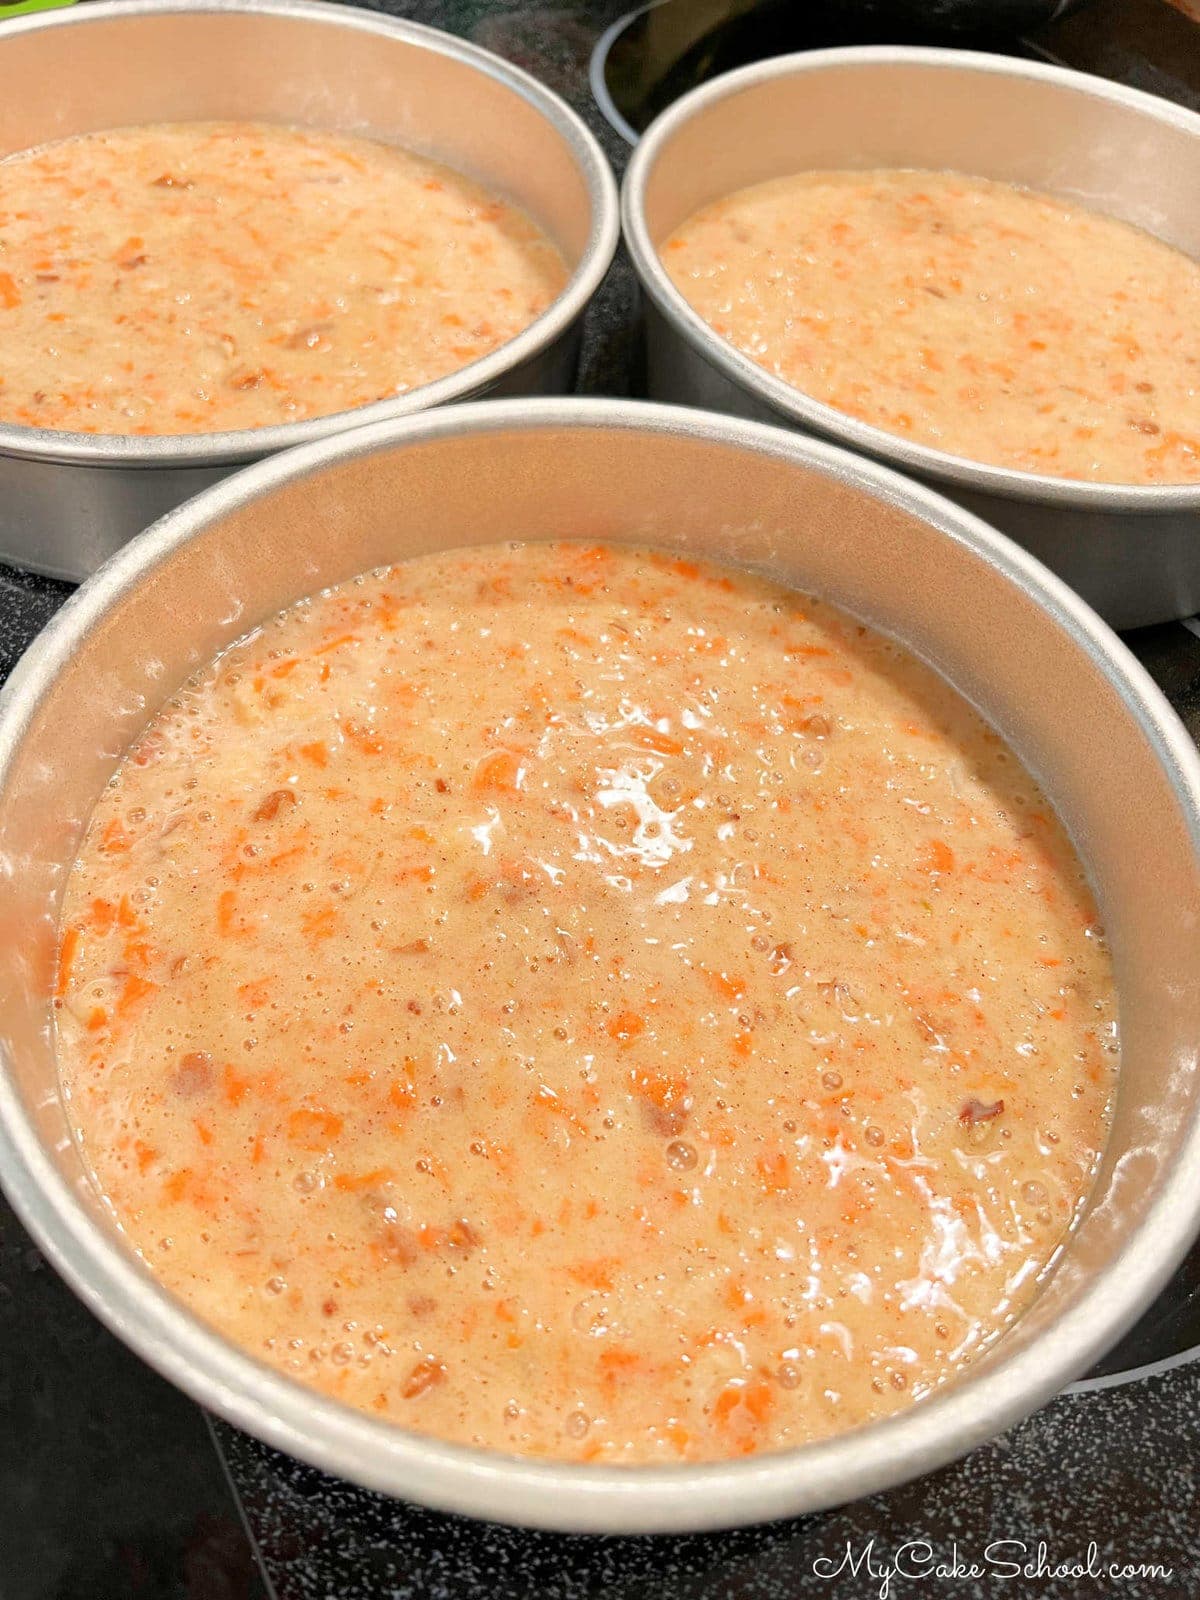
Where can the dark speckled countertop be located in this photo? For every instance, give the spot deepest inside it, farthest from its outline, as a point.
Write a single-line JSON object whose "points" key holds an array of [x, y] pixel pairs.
{"points": [[115, 1487]]}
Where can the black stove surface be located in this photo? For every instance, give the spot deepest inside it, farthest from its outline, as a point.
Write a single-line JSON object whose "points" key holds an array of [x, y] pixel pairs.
{"points": [[662, 48], [662, 52], [113, 1486]]}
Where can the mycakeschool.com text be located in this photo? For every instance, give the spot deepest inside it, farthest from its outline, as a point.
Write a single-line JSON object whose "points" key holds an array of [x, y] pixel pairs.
{"points": [[890, 1572]]}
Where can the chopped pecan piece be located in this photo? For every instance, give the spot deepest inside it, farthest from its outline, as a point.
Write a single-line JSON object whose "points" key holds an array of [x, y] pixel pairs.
{"points": [[980, 1111], [271, 806]]}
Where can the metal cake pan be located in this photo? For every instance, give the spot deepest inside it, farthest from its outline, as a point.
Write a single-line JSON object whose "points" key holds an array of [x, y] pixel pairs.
{"points": [[67, 500], [1052, 678], [1132, 552]]}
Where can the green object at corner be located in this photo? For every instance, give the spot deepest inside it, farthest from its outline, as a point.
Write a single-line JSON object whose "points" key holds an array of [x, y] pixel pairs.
{"points": [[9, 9]]}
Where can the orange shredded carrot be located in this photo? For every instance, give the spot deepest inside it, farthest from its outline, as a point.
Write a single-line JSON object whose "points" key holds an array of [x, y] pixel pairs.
{"points": [[314, 1127], [935, 856], [597, 1274], [134, 989], [662, 744], [423, 1377], [775, 1171], [234, 1087], [624, 1027], [502, 772], [728, 988], [319, 923], [617, 1363], [176, 1185], [114, 840], [356, 1182], [67, 953]]}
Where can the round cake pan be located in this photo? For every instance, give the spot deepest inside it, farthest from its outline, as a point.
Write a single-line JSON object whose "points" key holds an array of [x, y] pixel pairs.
{"points": [[67, 500], [1132, 552], [1064, 691]]}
